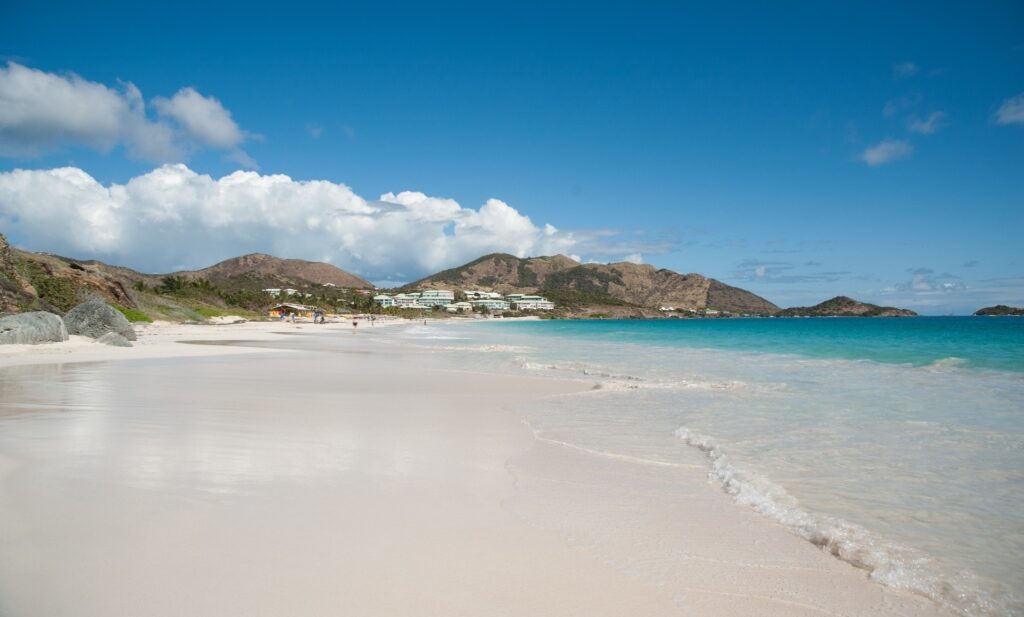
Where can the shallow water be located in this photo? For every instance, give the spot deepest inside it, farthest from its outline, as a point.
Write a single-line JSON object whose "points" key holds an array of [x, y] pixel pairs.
{"points": [[898, 445]]}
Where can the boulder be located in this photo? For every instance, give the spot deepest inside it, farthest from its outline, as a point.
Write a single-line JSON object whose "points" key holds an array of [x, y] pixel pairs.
{"points": [[114, 340], [32, 328], [96, 318]]}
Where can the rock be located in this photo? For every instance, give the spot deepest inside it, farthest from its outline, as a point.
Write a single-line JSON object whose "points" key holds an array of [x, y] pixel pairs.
{"points": [[114, 340], [32, 329], [96, 318]]}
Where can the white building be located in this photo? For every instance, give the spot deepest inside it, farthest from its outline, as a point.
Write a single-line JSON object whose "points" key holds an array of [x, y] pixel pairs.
{"points": [[437, 297], [482, 295], [384, 300], [491, 305], [532, 303], [276, 291], [459, 307], [514, 297], [406, 300]]}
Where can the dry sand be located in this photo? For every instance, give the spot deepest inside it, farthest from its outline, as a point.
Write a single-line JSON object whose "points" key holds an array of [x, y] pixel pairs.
{"points": [[311, 471]]}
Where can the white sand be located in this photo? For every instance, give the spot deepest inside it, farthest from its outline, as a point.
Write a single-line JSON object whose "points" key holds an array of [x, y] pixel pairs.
{"points": [[337, 477]]}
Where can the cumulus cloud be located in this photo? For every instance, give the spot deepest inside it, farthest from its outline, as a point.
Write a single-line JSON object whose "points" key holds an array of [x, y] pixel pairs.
{"points": [[902, 70], [1011, 111], [886, 151], [174, 218], [935, 121], [41, 112], [202, 118]]}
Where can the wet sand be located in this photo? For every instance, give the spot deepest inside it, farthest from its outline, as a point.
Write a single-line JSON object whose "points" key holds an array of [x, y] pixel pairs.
{"points": [[321, 473]]}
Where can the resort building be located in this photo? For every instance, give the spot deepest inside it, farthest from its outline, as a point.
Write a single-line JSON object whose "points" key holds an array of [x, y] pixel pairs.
{"points": [[491, 305], [384, 300], [514, 297], [459, 307], [532, 303], [276, 291], [482, 295], [406, 300], [437, 297]]}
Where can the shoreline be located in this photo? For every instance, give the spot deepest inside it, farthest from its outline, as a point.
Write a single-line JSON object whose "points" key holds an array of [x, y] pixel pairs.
{"points": [[389, 456]]}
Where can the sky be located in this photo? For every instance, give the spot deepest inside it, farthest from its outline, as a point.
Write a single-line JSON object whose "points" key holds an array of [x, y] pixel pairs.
{"points": [[798, 150]]}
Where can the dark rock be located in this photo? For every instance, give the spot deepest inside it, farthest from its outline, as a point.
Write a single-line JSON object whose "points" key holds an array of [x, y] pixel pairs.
{"points": [[114, 340], [96, 318], [32, 329]]}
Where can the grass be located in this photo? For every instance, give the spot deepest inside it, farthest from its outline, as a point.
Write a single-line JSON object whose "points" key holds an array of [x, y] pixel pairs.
{"points": [[133, 315], [209, 312]]}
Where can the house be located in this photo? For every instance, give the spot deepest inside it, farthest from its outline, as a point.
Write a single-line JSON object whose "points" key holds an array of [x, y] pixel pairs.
{"points": [[384, 300], [459, 307], [298, 310], [532, 303], [491, 304], [437, 297]]}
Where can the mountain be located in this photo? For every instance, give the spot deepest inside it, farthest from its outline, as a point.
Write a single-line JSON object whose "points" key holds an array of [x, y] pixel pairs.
{"points": [[41, 281], [569, 283], [258, 271], [999, 309], [841, 306]]}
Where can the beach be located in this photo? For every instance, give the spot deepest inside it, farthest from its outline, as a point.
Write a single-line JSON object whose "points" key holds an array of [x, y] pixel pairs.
{"points": [[272, 469]]}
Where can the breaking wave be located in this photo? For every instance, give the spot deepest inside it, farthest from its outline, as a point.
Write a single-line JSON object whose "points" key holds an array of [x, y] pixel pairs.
{"points": [[888, 563]]}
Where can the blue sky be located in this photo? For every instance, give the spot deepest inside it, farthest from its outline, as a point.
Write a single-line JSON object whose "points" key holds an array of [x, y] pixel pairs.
{"points": [[799, 151]]}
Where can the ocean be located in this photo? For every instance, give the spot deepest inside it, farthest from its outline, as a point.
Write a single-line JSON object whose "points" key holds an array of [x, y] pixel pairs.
{"points": [[895, 444]]}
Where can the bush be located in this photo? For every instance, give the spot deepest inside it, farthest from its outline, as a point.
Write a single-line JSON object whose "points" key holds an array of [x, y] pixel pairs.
{"points": [[133, 315], [210, 312]]}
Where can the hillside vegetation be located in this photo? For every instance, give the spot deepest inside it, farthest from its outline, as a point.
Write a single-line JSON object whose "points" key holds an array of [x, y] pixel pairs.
{"points": [[842, 306], [597, 286]]}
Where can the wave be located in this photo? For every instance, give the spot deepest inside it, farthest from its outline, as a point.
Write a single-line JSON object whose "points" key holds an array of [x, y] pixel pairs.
{"points": [[949, 363], [888, 563], [616, 382], [486, 348]]}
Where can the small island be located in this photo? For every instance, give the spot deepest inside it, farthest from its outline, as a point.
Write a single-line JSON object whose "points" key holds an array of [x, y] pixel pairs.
{"points": [[842, 306], [1000, 310]]}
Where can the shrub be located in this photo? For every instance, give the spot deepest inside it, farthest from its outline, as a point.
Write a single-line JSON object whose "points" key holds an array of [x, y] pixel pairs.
{"points": [[133, 315]]}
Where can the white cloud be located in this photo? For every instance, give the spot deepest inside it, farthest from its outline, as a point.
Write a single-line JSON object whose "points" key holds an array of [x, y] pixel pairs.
{"points": [[41, 112], [314, 130], [634, 258], [902, 70], [886, 151], [173, 217], [935, 121], [201, 117], [1011, 111]]}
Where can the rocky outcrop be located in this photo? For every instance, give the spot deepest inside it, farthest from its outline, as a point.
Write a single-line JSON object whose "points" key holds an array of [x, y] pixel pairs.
{"points": [[95, 318], [841, 306], [32, 329], [114, 340], [998, 310]]}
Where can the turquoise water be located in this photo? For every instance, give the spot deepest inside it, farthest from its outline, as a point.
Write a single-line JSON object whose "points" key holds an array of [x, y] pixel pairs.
{"points": [[977, 342], [895, 444]]}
